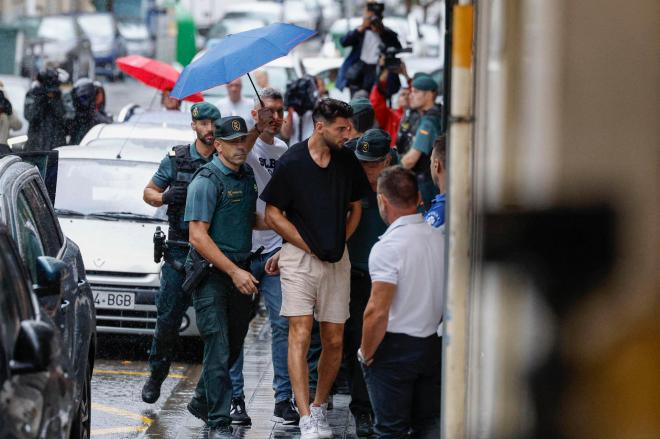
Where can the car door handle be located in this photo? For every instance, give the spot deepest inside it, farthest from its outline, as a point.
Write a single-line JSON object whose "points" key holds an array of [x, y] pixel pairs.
{"points": [[65, 304]]}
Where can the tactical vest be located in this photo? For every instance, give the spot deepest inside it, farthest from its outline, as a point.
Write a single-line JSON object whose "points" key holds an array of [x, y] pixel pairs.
{"points": [[183, 169], [231, 224], [407, 130]]}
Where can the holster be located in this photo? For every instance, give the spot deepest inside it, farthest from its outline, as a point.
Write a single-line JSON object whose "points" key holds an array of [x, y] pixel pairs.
{"points": [[196, 273]]}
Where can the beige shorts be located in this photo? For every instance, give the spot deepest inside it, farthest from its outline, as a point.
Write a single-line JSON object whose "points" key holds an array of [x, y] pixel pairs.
{"points": [[311, 286]]}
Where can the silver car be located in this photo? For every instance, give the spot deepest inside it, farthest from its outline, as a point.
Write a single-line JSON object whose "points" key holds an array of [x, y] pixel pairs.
{"points": [[99, 205]]}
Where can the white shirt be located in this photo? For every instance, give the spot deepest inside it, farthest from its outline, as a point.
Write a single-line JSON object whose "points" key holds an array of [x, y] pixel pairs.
{"points": [[262, 160], [242, 108], [307, 127], [370, 47], [410, 255]]}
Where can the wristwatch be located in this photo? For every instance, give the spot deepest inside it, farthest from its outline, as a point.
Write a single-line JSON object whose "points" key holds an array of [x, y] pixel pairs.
{"points": [[361, 359]]}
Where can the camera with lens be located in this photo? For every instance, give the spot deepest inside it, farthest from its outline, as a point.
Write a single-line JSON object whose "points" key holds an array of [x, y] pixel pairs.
{"points": [[5, 105], [392, 61], [301, 94], [377, 8]]}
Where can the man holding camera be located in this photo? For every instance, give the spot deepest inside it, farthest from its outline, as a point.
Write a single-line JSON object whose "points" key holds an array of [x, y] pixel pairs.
{"points": [[8, 120], [44, 110], [368, 41]]}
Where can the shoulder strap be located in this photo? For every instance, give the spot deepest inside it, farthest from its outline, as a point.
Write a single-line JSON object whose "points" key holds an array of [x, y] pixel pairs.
{"points": [[212, 173]]}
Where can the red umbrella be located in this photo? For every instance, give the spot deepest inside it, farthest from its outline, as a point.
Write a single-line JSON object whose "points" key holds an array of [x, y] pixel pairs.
{"points": [[154, 73]]}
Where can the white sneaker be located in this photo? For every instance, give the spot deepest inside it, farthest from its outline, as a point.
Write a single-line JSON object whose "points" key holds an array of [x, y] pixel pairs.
{"points": [[320, 415], [308, 428]]}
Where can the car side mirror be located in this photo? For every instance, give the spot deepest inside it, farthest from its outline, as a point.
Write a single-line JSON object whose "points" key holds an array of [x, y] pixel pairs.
{"points": [[33, 349], [50, 273]]}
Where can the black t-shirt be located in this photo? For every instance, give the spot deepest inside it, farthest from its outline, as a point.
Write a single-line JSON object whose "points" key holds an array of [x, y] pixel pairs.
{"points": [[316, 199]]}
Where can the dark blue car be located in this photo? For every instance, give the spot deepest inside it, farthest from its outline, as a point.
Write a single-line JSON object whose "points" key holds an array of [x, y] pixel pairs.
{"points": [[49, 335]]}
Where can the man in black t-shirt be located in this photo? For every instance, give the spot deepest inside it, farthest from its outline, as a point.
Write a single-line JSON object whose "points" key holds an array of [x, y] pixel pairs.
{"points": [[313, 202]]}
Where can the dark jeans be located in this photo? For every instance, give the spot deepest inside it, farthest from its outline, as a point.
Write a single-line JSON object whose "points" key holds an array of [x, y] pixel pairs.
{"points": [[366, 80], [404, 385], [223, 318], [171, 306], [360, 293]]}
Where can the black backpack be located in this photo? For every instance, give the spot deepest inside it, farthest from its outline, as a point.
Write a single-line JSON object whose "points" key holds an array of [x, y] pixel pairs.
{"points": [[301, 94]]}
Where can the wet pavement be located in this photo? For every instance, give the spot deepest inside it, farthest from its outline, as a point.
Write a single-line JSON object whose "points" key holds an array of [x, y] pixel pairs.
{"points": [[121, 369]]}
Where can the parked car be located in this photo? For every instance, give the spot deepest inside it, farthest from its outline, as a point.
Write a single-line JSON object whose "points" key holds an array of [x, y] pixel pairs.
{"points": [[16, 87], [60, 42], [129, 133], [56, 396], [136, 36], [99, 203], [107, 42]]}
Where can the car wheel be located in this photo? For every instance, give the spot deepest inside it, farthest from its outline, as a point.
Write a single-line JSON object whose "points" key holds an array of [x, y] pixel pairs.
{"points": [[83, 422]]}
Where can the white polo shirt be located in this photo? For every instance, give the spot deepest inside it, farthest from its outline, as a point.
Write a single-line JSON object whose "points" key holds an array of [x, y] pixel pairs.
{"points": [[410, 255]]}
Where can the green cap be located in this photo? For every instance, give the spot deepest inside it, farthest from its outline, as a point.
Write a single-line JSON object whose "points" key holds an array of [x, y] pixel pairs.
{"points": [[360, 104], [204, 110], [374, 145], [425, 83], [230, 127]]}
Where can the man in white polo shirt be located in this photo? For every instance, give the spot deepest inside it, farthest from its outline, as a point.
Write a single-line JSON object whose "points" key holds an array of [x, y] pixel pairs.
{"points": [[400, 350]]}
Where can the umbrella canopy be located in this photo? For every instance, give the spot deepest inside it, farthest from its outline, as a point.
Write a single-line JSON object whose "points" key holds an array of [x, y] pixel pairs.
{"points": [[238, 54], [153, 73]]}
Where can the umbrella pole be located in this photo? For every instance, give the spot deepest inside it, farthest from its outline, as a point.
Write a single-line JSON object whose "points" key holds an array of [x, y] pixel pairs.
{"points": [[255, 90]]}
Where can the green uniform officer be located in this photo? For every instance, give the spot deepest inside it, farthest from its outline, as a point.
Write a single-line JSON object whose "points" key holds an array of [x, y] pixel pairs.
{"points": [[375, 154], [169, 186], [422, 98], [221, 212]]}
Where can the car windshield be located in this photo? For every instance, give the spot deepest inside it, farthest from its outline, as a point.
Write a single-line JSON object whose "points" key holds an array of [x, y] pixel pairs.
{"points": [[233, 26], [128, 144], [57, 28], [107, 188], [97, 24]]}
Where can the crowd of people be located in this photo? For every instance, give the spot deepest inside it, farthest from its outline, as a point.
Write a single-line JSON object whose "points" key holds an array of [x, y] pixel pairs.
{"points": [[339, 230]]}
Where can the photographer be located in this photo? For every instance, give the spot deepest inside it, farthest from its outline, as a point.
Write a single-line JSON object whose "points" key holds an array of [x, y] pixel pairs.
{"points": [[85, 115], [388, 118], [300, 98], [45, 111], [8, 120], [368, 41]]}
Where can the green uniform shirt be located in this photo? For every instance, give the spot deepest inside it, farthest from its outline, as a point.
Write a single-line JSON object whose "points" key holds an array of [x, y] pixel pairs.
{"points": [[370, 228], [163, 177], [227, 200], [429, 128]]}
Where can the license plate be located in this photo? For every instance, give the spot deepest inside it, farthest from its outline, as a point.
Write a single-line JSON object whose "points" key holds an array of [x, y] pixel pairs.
{"points": [[108, 300]]}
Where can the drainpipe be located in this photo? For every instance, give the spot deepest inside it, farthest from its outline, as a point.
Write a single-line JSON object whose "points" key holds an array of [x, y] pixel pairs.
{"points": [[459, 227]]}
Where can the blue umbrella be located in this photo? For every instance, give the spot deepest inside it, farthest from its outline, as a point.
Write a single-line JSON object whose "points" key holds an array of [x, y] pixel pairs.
{"points": [[238, 54]]}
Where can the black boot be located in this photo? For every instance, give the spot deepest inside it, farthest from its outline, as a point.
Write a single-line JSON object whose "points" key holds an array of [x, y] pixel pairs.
{"points": [[197, 411], [238, 413], [151, 390], [364, 425], [220, 432]]}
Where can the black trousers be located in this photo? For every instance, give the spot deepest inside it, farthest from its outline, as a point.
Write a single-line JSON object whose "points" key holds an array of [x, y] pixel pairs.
{"points": [[404, 383], [360, 293]]}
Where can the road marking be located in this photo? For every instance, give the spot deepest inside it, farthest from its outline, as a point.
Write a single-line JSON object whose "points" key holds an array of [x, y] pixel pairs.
{"points": [[114, 430], [122, 412], [133, 372]]}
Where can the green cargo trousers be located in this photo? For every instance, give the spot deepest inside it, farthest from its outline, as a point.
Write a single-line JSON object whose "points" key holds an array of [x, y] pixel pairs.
{"points": [[223, 318]]}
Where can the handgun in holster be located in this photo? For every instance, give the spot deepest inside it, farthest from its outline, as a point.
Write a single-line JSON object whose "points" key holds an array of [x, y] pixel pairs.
{"points": [[161, 244], [196, 273]]}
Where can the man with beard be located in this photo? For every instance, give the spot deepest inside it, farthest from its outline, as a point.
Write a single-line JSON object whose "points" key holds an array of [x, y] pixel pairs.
{"points": [[313, 203], [169, 186]]}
